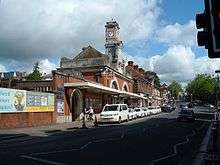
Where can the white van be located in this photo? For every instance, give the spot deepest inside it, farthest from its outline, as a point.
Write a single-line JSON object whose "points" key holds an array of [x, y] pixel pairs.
{"points": [[114, 113]]}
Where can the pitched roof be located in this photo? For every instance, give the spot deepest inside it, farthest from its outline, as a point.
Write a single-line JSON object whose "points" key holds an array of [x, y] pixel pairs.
{"points": [[89, 52]]}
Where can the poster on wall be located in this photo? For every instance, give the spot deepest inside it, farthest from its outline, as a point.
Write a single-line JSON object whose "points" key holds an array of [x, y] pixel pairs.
{"points": [[39, 102], [60, 106], [60, 99], [12, 100]]}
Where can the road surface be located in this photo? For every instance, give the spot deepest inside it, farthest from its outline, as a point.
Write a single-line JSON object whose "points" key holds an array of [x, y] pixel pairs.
{"points": [[158, 139]]}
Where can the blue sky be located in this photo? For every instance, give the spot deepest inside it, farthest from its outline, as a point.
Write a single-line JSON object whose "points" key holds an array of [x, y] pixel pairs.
{"points": [[181, 10], [173, 11], [159, 35]]}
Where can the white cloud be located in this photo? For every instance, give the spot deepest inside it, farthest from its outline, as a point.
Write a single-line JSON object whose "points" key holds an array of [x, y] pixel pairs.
{"points": [[178, 63], [46, 66], [178, 34], [38, 29], [2, 68]]}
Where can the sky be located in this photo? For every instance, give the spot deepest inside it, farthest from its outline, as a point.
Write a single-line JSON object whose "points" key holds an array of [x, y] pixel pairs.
{"points": [[159, 35]]}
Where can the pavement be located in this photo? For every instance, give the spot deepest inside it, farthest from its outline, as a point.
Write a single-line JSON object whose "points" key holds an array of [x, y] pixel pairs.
{"points": [[45, 129], [158, 139]]}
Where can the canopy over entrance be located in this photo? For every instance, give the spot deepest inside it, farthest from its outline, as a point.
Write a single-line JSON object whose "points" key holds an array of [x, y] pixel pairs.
{"points": [[100, 88]]}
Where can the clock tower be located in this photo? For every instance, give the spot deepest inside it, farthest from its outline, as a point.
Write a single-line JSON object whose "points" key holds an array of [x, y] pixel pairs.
{"points": [[113, 45]]}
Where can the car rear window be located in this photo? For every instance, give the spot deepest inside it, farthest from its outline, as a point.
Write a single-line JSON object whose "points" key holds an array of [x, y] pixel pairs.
{"points": [[137, 109]]}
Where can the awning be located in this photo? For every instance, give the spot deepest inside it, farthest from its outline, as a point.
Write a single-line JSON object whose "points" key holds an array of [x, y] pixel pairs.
{"points": [[103, 89]]}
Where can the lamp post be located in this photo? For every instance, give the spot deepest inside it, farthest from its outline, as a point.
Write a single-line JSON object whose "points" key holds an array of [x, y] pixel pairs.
{"points": [[217, 87]]}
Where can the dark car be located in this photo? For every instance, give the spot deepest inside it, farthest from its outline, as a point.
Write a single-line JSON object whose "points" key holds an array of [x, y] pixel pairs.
{"points": [[166, 108], [186, 115]]}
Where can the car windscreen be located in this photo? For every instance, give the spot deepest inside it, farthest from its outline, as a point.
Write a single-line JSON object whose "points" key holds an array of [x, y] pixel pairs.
{"points": [[111, 108], [137, 110]]}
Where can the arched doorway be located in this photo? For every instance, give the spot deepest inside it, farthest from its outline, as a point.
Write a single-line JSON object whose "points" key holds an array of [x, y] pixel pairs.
{"points": [[76, 104]]}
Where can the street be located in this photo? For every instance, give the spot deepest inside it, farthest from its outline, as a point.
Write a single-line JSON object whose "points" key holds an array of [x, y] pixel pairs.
{"points": [[158, 139]]}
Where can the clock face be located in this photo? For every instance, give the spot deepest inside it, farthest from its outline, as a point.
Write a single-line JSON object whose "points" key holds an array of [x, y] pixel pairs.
{"points": [[110, 34]]}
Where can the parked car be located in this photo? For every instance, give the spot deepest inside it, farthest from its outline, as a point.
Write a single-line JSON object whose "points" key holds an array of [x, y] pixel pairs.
{"points": [[166, 108], [209, 106], [186, 115], [150, 110], [156, 109], [145, 111], [173, 108], [139, 112], [114, 113], [132, 114]]}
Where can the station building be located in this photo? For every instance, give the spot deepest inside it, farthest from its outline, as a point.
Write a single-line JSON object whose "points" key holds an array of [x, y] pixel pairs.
{"points": [[91, 78], [94, 79]]}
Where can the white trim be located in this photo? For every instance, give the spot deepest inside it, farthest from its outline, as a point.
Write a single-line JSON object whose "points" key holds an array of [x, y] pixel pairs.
{"points": [[105, 89]]}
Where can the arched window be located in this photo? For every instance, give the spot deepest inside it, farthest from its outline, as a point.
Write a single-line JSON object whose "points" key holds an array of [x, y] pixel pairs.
{"points": [[114, 85], [125, 87]]}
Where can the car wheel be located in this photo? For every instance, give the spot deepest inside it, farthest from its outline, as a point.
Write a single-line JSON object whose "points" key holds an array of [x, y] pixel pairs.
{"points": [[127, 118]]}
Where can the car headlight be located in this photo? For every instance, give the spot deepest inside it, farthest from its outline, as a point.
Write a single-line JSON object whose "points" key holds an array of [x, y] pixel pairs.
{"points": [[115, 114]]}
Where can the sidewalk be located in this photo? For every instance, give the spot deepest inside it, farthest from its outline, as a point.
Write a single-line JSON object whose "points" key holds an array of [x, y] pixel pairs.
{"points": [[46, 129], [212, 155]]}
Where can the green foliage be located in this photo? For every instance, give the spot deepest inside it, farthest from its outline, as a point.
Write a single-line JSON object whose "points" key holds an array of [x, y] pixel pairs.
{"points": [[203, 88], [157, 82], [36, 74], [175, 88]]}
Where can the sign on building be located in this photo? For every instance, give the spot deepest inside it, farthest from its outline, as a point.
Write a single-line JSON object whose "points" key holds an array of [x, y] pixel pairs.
{"points": [[12, 100]]}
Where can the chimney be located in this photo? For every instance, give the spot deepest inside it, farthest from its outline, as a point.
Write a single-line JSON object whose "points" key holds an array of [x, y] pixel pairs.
{"points": [[136, 67], [141, 70], [130, 63]]}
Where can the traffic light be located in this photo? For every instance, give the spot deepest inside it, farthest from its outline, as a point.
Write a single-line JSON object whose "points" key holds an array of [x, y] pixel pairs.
{"points": [[209, 22], [215, 24]]}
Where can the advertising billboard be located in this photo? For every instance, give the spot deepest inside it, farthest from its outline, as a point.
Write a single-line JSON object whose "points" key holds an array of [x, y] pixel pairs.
{"points": [[12, 100], [39, 102]]}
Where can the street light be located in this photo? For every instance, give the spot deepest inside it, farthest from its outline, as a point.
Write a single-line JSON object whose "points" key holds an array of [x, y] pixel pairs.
{"points": [[217, 87]]}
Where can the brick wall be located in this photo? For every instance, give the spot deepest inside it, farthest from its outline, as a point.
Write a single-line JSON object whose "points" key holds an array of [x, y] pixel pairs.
{"points": [[26, 119]]}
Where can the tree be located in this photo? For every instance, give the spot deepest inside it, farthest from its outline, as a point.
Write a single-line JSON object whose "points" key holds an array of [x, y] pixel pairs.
{"points": [[203, 88], [157, 82], [36, 74], [175, 88]]}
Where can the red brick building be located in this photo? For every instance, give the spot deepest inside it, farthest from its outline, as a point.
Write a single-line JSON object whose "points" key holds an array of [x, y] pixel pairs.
{"points": [[94, 79]]}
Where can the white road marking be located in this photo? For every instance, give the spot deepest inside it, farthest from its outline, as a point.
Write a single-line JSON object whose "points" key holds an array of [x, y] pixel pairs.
{"points": [[175, 152], [42, 160]]}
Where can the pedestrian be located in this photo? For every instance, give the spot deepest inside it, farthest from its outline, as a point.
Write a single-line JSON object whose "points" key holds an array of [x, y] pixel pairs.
{"points": [[91, 112]]}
